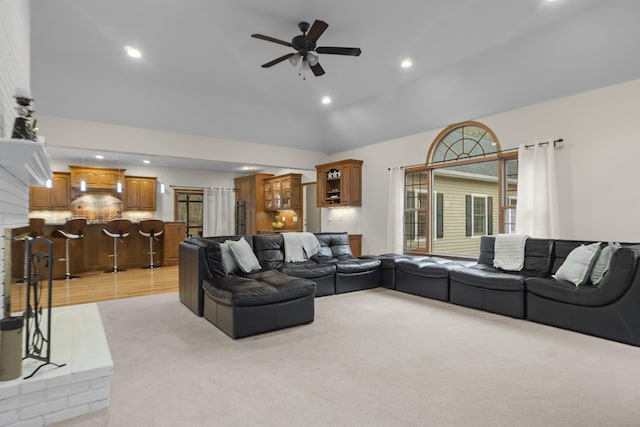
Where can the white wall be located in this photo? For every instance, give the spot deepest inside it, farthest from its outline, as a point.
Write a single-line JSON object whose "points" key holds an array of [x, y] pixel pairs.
{"points": [[84, 135], [15, 66], [15, 60], [598, 171], [347, 219]]}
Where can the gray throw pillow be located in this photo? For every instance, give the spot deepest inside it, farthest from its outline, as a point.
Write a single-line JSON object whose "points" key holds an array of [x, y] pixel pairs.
{"points": [[602, 263], [578, 264], [243, 255], [229, 263]]}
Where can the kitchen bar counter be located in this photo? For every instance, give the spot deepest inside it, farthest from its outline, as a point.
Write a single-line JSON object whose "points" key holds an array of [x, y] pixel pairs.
{"points": [[91, 252]]}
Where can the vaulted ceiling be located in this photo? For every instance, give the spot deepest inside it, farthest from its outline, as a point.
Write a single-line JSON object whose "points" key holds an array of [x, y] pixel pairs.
{"points": [[200, 70]]}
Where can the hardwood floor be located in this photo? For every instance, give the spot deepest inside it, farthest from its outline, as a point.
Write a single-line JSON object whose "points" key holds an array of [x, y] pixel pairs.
{"points": [[97, 286]]}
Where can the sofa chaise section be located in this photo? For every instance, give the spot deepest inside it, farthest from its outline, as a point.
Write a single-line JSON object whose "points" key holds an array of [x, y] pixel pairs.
{"points": [[609, 310], [261, 302]]}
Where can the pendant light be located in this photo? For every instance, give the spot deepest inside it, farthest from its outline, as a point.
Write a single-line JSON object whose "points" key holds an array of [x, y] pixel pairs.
{"points": [[83, 181]]}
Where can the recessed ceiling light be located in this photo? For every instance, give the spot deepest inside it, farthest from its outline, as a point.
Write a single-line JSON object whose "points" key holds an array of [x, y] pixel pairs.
{"points": [[98, 156], [326, 100], [133, 52], [407, 63], [246, 168], [146, 162]]}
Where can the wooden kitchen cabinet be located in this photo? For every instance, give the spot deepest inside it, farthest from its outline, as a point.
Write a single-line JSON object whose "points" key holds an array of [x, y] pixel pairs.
{"points": [[339, 184], [174, 233], [355, 243], [139, 193], [100, 178], [57, 197], [283, 192]]}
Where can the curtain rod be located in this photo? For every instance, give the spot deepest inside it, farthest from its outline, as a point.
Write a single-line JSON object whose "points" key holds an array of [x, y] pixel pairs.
{"points": [[191, 187], [540, 144]]}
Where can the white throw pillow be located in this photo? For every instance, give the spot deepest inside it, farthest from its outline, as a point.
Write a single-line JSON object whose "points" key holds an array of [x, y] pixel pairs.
{"points": [[602, 263], [578, 264], [228, 262], [243, 255]]}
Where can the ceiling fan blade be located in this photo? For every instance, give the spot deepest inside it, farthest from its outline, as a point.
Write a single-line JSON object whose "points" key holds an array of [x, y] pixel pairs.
{"points": [[317, 70], [316, 31], [277, 60], [271, 39], [350, 51]]}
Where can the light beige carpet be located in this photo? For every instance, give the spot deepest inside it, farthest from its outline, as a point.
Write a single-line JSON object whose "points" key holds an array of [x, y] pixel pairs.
{"points": [[371, 358]]}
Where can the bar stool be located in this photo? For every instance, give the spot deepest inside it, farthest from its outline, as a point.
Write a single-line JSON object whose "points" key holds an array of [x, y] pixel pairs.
{"points": [[151, 228], [117, 229], [71, 230]]}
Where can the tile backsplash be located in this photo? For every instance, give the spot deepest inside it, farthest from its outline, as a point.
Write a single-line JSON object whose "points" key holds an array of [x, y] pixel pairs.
{"points": [[95, 207]]}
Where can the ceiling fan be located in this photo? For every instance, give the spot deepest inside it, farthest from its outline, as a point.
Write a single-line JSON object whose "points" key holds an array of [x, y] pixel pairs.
{"points": [[304, 45]]}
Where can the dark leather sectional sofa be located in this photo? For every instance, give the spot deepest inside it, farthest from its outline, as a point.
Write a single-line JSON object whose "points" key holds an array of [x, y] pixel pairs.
{"points": [[280, 294], [610, 310]]}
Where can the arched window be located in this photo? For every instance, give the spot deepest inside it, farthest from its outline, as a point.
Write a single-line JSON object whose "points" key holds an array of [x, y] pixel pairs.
{"points": [[466, 189]]}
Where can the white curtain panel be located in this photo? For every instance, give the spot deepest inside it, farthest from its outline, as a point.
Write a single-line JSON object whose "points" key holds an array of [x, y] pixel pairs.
{"points": [[395, 210], [537, 206], [219, 212]]}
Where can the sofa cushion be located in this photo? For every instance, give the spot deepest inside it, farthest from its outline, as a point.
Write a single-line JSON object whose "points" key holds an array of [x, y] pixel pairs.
{"points": [[614, 284], [484, 276], [538, 255], [269, 249], [357, 265], [292, 286], [324, 259], [487, 250], [578, 264], [561, 290], [308, 269], [244, 291], [334, 244], [243, 255], [431, 267]]}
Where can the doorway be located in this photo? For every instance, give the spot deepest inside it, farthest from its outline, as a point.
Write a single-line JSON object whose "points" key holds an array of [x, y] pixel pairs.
{"points": [[311, 211], [188, 208]]}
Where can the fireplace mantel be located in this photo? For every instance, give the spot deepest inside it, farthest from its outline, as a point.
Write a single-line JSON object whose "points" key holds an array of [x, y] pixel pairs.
{"points": [[26, 160]]}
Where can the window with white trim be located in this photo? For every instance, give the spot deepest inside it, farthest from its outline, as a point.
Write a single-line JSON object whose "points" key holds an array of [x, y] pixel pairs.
{"points": [[465, 184]]}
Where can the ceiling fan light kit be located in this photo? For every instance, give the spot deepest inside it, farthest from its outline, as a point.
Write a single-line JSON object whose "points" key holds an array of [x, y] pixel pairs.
{"points": [[304, 44]]}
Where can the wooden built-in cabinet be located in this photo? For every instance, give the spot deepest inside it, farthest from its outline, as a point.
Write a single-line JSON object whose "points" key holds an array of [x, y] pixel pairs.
{"points": [[355, 242], [339, 184], [57, 197], [283, 192], [250, 211], [100, 178], [174, 233], [139, 193]]}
